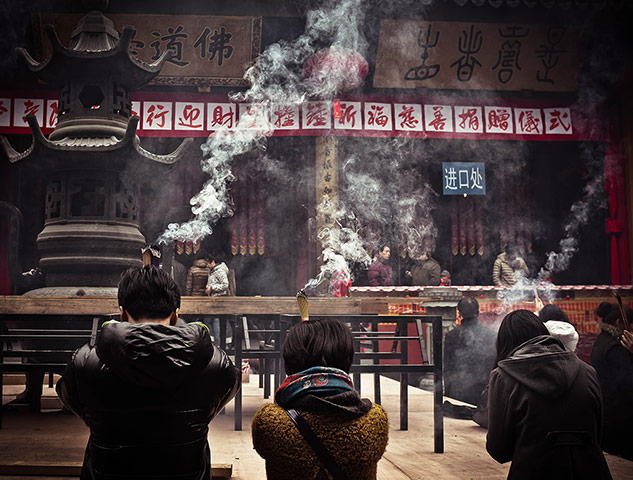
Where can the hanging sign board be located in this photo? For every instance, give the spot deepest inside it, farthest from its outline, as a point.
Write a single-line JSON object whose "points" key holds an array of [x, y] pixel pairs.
{"points": [[209, 50], [477, 56], [464, 178]]}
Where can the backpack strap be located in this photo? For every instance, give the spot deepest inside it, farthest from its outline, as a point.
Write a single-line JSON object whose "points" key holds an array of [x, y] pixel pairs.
{"points": [[322, 453]]}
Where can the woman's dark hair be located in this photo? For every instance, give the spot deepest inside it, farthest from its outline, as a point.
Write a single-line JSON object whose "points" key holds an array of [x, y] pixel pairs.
{"points": [[516, 328], [148, 292], [604, 309], [321, 342], [553, 312], [615, 314]]}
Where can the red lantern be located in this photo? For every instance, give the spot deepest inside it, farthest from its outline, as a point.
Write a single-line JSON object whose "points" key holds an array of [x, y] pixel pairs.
{"points": [[345, 68]]}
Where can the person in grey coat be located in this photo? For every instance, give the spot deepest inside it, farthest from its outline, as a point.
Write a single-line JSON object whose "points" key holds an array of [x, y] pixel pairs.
{"points": [[545, 406]]}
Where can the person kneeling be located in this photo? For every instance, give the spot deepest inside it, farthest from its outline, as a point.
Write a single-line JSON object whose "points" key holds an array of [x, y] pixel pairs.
{"points": [[148, 388], [318, 356]]}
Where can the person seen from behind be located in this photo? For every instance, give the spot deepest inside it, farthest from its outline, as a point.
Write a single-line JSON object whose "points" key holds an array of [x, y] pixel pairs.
{"points": [[469, 354], [318, 356], [198, 275], [545, 406], [148, 388], [614, 364], [557, 323]]}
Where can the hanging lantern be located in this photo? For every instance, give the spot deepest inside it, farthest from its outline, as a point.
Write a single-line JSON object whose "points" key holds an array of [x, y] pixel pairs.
{"points": [[336, 69]]}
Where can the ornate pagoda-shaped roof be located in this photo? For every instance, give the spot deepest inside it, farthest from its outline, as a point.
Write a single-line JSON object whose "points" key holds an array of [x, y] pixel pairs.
{"points": [[95, 75], [94, 45]]}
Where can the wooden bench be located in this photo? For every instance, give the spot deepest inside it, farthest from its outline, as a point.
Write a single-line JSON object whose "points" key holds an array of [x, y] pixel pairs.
{"points": [[42, 344]]}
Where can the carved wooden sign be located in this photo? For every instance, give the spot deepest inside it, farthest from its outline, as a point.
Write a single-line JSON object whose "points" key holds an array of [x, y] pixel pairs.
{"points": [[209, 50], [477, 56]]}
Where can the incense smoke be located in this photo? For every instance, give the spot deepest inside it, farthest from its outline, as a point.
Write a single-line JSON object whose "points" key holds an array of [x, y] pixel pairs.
{"points": [[275, 78]]}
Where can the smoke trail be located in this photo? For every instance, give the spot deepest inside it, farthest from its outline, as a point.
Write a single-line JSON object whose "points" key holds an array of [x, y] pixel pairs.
{"points": [[342, 247], [275, 78]]}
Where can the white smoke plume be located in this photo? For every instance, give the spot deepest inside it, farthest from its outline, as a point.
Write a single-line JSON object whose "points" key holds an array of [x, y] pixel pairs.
{"points": [[342, 247], [275, 77], [592, 200]]}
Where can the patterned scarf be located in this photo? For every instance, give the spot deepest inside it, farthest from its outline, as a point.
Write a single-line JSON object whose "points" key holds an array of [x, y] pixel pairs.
{"points": [[317, 381]]}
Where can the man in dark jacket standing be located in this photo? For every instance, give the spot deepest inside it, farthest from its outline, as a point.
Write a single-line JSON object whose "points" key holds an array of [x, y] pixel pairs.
{"points": [[148, 388], [469, 354], [425, 270], [380, 272]]}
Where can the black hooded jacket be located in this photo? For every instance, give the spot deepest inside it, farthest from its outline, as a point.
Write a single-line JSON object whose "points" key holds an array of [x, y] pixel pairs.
{"points": [[545, 414], [148, 392]]}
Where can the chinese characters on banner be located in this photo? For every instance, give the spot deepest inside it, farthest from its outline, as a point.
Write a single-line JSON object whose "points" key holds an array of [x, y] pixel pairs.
{"points": [[464, 178], [316, 115], [5, 112], [477, 56], [208, 50], [200, 118], [22, 107], [408, 117], [438, 118], [221, 116], [350, 116]]}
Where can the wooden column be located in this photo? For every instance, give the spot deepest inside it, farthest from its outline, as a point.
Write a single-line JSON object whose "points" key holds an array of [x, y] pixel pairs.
{"points": [[326, 186]]}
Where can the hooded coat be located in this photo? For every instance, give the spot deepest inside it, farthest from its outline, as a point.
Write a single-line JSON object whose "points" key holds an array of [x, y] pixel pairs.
{"points": [[148, 392], [197, 278], [218, 280], [545, 414]]}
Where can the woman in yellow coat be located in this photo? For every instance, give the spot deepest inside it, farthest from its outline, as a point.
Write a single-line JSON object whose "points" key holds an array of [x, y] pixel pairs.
{"points": [[318, 356]]}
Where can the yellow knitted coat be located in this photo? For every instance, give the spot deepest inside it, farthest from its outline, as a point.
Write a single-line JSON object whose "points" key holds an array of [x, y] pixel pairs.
{"points": [[357, 443]]}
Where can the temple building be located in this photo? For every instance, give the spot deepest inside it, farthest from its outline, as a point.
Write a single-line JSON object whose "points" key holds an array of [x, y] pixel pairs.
{"points": [[272, 136]]}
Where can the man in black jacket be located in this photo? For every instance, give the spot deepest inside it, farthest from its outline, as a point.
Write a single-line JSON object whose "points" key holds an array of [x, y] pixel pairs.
{"points": [[469, 354], [148, 388]]}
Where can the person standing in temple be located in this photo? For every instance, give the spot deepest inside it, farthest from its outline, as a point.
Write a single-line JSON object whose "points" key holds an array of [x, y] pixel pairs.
{"points": [[380, 272], [426, 271], [509, 267], [198, 275], [217, 286]]}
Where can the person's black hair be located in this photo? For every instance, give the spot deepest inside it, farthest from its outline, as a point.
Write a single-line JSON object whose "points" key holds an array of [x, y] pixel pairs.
{"points": [[604, 309], [516, 328], [468, 308], [202, 255], [512, 251], [552, 312], [615, 314], [321, 342], [148, 293], [382, 247]]}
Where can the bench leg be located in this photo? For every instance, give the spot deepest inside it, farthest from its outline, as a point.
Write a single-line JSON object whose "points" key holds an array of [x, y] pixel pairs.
{"points": [[404, 401]]}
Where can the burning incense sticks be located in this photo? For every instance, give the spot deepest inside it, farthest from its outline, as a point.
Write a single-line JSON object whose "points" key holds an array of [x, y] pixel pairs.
{"points": [[625, 320], [302, 300]]}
